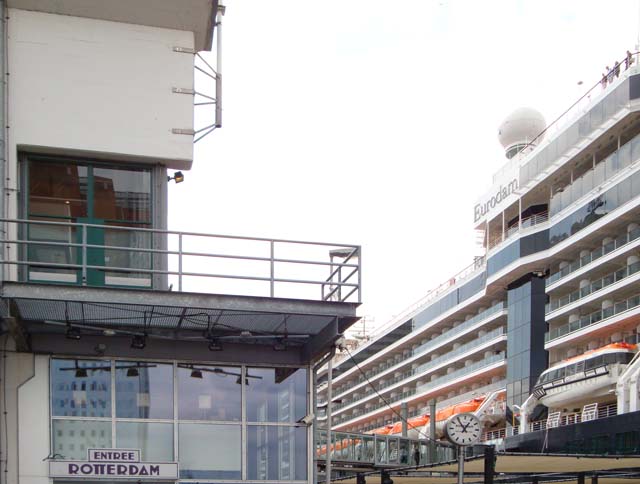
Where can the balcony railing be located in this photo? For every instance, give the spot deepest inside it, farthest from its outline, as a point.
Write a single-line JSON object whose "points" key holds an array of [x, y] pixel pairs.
{"points": [[597, 285], [449, 356], [575, 418], [593, 256], [432, 384], [426, 347], [525, 223], [108, 255], [592, 318]]}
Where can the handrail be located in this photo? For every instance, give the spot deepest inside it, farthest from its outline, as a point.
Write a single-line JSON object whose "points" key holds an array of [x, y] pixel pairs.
{"points": [[424, 348], [593, 256], [525, 223], [166, 254], [592, 318], [595, 286]]}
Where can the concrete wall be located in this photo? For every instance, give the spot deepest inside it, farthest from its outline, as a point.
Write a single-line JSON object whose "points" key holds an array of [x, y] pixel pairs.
{"points": [[99, 88]]}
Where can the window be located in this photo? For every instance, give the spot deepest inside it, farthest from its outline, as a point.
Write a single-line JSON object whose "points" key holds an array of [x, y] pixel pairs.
{"points": [[130, 404], [63, 191]]}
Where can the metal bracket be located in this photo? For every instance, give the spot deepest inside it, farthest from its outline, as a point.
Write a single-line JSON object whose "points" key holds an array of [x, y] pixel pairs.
{"points": [[189, 132], [184, 50], [182, 90]]}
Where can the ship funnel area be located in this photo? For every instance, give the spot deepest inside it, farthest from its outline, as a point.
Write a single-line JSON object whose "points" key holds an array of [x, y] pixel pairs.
{"points": [[521, 130]]}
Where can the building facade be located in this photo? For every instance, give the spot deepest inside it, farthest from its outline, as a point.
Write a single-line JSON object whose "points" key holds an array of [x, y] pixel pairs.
{"points": [[128, 350], [539, 332]]}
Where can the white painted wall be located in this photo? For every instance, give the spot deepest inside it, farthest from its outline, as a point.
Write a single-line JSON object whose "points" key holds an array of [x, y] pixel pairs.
{"points": [[98, 87], [33, 425]]}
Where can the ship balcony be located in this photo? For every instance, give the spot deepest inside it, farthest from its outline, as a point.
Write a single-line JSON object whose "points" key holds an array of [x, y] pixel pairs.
{"points": [[606, 286], [609, 252], [91, 279], [485, 368], [485, 320], [493, 342]]}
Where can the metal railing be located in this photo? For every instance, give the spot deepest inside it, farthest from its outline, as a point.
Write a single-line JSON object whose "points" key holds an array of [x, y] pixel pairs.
{"points": [[597, 285], [593, 256], [478, 365], [424, 368], [379, 450], [423, 348], [91, 254], [525, 223], [592, 318], [605, 411]]}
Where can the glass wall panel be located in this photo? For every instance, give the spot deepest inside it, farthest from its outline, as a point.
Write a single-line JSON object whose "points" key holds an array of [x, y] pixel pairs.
{"points": [[57, 189], [276, 394], [209, 392], [122, 194], [142, 390], [72, 438], [210, 451], [80, 388], [276, 453], [155, 440]]}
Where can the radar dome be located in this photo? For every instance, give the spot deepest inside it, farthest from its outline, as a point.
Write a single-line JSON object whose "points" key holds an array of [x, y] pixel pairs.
{"points": [[520, 128]]}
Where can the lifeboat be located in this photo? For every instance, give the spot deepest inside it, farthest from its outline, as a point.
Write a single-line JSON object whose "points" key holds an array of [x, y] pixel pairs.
{"points": [[589, 377]]}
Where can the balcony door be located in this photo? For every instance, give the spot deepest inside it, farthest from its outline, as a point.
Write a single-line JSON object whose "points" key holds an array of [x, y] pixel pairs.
{"points": [[105, 207]]}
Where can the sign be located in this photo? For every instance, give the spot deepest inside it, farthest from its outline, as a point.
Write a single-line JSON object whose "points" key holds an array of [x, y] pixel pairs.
{"points": [[113, 464], [499, 197]]}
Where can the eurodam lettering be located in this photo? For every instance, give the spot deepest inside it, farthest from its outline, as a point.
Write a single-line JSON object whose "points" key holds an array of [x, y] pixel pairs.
{"points": [[481, 209]]}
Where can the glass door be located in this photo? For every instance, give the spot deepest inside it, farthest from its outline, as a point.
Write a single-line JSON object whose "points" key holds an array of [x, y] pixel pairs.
{"points": [[114, 202]]}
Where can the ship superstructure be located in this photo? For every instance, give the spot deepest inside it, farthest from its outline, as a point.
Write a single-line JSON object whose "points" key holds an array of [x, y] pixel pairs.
{"points": [[559, 278]]}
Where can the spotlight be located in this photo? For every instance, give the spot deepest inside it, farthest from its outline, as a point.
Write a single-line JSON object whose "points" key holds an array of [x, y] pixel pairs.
{"points": [[133, 372], [178, 177], [280, 345], [214, 345], [73, 333], [138, 342], [81, 373], [196, 373]]}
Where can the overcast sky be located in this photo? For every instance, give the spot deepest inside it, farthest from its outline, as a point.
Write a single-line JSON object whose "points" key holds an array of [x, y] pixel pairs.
{"points": [[375, 122]]}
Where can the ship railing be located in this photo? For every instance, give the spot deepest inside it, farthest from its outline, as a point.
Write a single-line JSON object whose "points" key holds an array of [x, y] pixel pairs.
{"points": [[595, 286], [525, 223], [593, 318], [575, 418], [593, 256], [85, 254]]}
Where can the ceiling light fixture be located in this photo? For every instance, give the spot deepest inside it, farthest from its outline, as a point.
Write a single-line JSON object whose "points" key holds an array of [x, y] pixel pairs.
{"points": [[214, 345], [131, 372], [73, 333], [139, 341], [195, 373]]}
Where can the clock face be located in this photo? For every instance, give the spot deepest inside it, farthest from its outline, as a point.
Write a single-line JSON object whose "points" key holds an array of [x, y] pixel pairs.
{"points": [[463, 429]]}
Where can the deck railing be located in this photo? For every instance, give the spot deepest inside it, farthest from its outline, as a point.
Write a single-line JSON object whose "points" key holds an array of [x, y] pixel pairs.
{"points": [[135, 257]]}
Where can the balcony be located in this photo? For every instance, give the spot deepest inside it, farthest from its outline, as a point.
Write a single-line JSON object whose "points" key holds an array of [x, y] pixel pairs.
{"points": [[425, 368], [595, 286], [593, 256], [434, 385], [526, 223], [592, 318], [484, 317], [167, 286]]}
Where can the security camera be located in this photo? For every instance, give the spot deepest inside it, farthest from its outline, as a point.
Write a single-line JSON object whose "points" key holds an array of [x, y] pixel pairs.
{"points": [[307, 419]]}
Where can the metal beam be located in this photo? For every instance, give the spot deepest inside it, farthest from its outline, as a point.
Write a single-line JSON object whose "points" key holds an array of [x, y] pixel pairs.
{"points": [[321, 342], [144, 297]]}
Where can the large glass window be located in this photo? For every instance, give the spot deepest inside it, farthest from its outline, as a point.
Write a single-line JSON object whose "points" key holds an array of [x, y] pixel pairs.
{"points": [[276, 394], [65, 191], [142, 390], [209, 392], [208, 420]]}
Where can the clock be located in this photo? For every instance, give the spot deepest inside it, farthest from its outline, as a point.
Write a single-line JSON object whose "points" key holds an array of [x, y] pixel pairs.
{"points": [[463, 429]]}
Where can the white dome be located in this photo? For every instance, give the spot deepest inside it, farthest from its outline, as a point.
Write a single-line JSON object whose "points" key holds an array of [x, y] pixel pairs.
{"points": [[521, 127]]}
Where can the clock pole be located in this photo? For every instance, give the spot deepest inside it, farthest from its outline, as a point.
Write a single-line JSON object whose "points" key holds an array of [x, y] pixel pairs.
{"points": [[460, 464]]}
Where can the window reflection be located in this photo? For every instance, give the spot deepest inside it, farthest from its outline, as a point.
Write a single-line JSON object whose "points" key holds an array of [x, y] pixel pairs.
{"points": [[276, 453], [219, 458], [155, 440], [72, 438], [81, 388], [142, 390], [276, 394], [122, 194], [209, 392]]}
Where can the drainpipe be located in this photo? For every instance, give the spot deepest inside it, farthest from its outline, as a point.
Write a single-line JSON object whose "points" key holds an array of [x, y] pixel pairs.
{"points": [[4, 149], [219, 14]]}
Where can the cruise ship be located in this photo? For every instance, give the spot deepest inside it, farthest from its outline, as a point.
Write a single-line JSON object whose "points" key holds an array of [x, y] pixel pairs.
{"points": [[540, 333]]}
